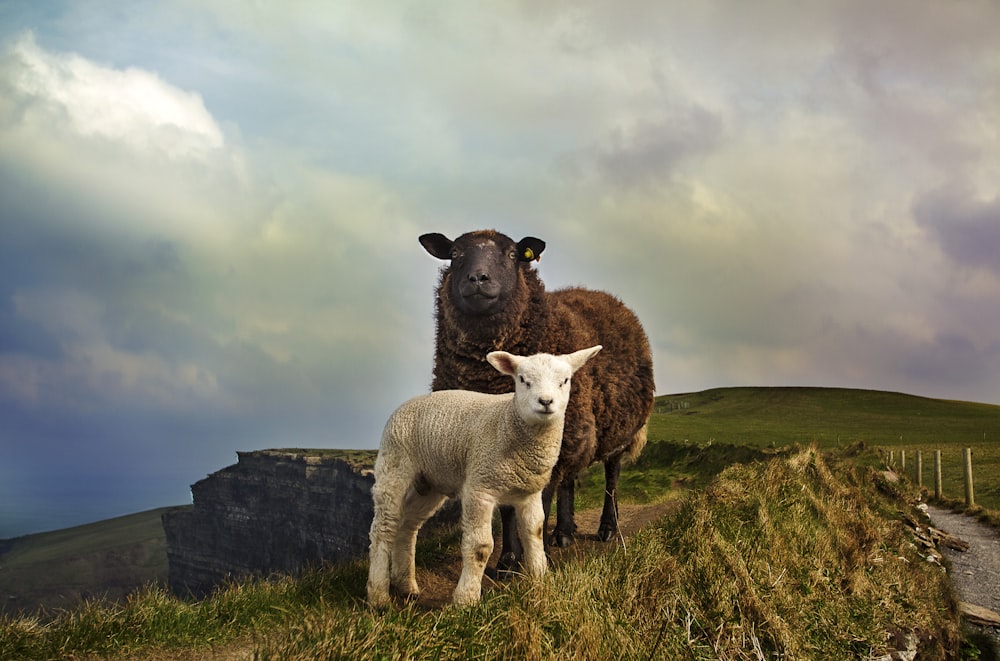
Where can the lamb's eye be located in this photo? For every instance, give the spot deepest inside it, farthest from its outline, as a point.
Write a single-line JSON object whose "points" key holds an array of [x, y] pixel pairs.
{"points": [[527, 384], [565, 381]]}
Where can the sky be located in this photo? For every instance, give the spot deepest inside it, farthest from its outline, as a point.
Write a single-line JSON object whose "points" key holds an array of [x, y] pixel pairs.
{"points": [[209, 210]]}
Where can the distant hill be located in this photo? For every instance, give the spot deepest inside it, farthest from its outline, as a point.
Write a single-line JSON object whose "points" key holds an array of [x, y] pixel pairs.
{"points": [[58, 569], [827, 416]]}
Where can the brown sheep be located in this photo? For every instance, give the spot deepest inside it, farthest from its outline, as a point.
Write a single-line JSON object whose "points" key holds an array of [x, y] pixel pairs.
{"points": [[489, 298]]}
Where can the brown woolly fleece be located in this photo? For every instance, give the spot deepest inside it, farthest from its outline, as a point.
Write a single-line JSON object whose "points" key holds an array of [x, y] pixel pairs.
{"points": [[612, 395]]}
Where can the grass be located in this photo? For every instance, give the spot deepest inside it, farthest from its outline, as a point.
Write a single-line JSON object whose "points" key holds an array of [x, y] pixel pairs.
{"points": [[771, 552], [836, 417], [797, 555]]}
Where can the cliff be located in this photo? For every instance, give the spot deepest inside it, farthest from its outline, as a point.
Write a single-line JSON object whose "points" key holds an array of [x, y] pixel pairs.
{"points": [[275, 511]]}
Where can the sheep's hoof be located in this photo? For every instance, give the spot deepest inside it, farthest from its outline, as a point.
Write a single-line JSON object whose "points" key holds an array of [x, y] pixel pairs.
{"points": [[606, 532], [562, 540], [508, 565]]}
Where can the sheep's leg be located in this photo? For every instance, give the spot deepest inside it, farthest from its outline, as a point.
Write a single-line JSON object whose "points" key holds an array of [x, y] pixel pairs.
{"points": [[477, 545], [417, 508], [547, 494], [510, 546], [378, 566], [609, 516], [565, 529], [530, 526], [382, 535]]}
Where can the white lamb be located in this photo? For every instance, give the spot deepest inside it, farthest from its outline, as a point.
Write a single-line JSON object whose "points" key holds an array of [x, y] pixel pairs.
{"points": [[487, 450]]}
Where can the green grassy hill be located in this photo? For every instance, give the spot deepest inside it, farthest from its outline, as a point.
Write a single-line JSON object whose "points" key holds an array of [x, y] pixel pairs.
{"points": [[832, 417], [58, 569], [827, 416]]}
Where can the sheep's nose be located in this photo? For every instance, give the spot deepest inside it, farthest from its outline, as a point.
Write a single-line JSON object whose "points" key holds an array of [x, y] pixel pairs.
{"points": [[545, 401], [479, 278]]}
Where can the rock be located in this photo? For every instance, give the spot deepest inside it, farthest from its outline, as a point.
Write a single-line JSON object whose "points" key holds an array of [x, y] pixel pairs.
{"points": [[275, 511], [979, 615]]}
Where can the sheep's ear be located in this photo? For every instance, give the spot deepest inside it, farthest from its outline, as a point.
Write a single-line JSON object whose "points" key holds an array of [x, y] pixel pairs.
{"points": [[530, 249], [578, 358], [505, 363], [437, 245]]}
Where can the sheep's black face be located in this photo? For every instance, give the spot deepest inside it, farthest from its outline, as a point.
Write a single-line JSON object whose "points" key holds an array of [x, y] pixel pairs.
{"points": [[484, 267]]}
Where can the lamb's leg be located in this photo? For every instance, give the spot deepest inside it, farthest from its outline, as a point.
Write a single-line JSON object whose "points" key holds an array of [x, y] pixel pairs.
{"points": [[511, 553], [609, 516], [477, 545], [565, 529], [530, 526], [417, 508], [382, 535]]}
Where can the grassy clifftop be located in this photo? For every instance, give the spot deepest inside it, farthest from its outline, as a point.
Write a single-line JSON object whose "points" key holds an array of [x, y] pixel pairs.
{"points": [[800, 555]]}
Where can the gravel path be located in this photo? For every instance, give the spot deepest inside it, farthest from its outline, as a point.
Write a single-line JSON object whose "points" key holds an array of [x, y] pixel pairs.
{"points": [[974, 573]]}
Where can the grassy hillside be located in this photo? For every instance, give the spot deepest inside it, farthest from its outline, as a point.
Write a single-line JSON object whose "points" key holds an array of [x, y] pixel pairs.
{"points": [[693, 437], [58, 569], [795, 556], [831, 417], [827, 416]]}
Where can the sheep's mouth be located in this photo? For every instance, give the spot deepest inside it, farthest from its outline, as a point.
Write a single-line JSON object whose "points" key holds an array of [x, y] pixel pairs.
{"points": [[478, 299]]}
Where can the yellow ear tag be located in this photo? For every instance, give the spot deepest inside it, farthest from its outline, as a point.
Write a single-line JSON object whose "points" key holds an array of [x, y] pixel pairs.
{"points": [[529, 254]]}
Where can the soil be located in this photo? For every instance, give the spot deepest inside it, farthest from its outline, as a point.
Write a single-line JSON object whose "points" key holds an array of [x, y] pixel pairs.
{"points": [[975, 574], [438, 582]]}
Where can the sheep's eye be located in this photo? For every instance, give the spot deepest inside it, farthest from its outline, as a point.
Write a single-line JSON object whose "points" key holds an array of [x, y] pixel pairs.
{"points": [[526, 383], [455, 253], [513, 255], [565, 381]]}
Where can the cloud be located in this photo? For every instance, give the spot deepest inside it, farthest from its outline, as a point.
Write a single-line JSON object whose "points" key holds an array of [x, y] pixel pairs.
{"points": [[131, 106], [210, 211], [168, 268], [966, 227]]}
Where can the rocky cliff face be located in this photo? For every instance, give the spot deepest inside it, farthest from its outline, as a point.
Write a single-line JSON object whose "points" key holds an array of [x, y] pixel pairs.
{"points": [[275, 511]]}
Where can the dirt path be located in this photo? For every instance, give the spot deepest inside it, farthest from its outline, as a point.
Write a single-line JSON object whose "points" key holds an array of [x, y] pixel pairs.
{"points": [[974, 573]]}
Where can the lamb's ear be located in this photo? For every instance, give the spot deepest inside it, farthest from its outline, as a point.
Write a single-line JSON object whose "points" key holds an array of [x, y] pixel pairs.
{"points": [[578, 358], [530, 249], [505, 363], [437, 245]]}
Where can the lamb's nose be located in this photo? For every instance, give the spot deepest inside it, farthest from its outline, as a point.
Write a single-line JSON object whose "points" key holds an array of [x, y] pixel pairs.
{"points": [[545, 401], [479, 278]]}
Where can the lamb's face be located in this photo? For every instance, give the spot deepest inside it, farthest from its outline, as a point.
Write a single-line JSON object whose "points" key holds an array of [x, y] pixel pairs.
{"points": [[541, 382], [542, 387], [484, 270]]}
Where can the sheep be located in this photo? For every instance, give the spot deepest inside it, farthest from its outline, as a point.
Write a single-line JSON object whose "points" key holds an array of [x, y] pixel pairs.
{"points": [[489, 297], [486, 449]]}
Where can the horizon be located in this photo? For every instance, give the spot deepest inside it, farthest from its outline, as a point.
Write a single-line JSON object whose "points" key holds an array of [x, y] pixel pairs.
{"points": [[10, 537]]}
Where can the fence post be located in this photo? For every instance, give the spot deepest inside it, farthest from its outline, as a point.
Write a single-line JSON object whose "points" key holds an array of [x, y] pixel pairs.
{"points": [[938, 490], [920, 469], [892, 459], [970, 497], [902, 461]]}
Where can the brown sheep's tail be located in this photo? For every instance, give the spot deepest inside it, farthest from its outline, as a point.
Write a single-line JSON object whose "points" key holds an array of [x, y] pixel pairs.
{"points": [[635, 447]]}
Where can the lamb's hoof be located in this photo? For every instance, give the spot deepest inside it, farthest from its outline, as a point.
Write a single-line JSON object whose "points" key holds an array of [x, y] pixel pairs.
{"points": [[508, 566], [562, 540], [606, 533]]}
